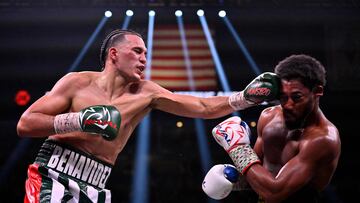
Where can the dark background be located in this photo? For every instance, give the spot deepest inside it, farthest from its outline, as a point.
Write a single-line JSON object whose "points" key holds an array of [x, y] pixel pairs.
{"points": [[39, 40]]}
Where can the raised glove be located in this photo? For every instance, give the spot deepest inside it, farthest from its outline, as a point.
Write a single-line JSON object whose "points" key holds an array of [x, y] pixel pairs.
{"points": [[233, 135], [100, 119], [219, 181], [264, 87]]}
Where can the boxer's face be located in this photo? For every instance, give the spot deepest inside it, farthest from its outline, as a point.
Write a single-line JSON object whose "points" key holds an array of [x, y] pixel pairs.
{"points": [[297, 102], [130, 59]]}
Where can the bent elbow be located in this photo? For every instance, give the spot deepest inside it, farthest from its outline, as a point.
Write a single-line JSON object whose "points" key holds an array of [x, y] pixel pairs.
{"points": [[272, 196], [23, 128]]}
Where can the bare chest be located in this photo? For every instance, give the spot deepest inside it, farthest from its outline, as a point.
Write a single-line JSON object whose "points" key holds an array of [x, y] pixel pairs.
{"points": [[133, 106], [128, 103]]}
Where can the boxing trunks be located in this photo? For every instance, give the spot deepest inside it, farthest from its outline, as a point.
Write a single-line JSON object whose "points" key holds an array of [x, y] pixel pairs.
{"points": [[61, 173]]}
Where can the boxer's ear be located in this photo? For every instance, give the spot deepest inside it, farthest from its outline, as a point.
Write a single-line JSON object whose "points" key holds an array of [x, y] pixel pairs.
{"points": [[318, 90], [112, 53]]}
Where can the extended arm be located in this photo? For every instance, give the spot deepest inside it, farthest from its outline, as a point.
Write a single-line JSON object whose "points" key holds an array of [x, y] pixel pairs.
{"points": [[262, 88], [191, 106]]}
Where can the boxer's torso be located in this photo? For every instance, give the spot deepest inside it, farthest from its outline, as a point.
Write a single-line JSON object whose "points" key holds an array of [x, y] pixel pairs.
{"points": [[132, 101], [280, 145]]}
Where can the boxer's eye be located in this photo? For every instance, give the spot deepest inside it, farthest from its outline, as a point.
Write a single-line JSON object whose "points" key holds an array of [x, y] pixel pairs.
{"points": [[296, 97], [137, 50]]}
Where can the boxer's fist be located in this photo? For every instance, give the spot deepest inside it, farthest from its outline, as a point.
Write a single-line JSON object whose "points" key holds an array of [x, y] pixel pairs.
{"points": [[101, 119], [231, 133], [264, 87], [219, 181]]}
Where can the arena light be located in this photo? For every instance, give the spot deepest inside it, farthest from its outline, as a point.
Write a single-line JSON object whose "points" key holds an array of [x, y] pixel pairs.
{"points": [[141, 168], [129, 13], [204, 149], [179, 124], [200, 129], [200, 12], [151, 24], [242, 46], [151, 13], [186, 53], [141, 175], [108, 14], [214, 54], [22, 97], [222, 13], [218, 65], [86, 47], [178, 13]]}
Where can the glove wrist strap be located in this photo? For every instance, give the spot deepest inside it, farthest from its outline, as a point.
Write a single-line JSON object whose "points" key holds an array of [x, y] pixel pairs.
{"points": [[68, 122], [243, 157], [238, 102]]}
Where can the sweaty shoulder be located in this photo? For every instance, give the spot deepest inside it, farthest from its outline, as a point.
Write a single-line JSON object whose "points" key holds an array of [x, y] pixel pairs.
{"points": [[324, 140], [73, 81], [266, 116], [270, 111], [323, 130], [153, 87], [77, 79], [81, 78]]}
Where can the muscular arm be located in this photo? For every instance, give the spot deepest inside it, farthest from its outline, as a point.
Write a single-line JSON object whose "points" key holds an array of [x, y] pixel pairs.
{"points": [[190, 106], [296, 173], [214, 107], [38, 119], [265, 116]]}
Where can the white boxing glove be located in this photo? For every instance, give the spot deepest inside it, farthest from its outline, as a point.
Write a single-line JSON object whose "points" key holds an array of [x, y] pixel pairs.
{"points": [[233, 135], [219, 181], [231, 132]]}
